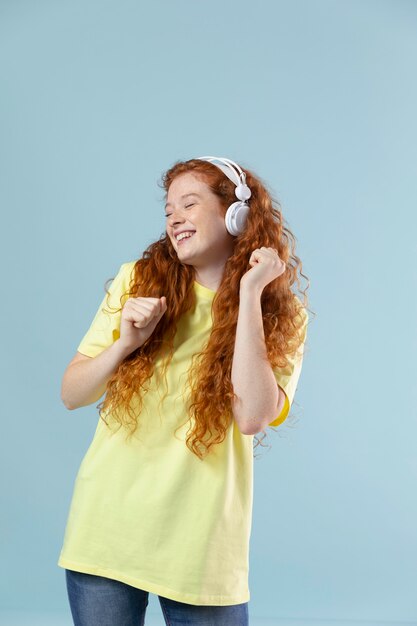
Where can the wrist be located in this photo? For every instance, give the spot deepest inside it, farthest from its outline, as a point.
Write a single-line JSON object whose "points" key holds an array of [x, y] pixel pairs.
{"points": [[248, 290], [120, 350]]}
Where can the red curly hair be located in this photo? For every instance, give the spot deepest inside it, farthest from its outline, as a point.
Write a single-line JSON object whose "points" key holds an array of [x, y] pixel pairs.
{"points": [[160, 272]]}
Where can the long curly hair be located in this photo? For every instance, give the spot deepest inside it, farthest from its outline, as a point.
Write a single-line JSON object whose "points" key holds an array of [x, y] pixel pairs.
{"points": [[160, 272]]}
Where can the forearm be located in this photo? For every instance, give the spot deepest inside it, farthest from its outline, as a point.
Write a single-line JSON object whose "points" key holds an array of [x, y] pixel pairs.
{"points": [[252, 376], [84, 382]]}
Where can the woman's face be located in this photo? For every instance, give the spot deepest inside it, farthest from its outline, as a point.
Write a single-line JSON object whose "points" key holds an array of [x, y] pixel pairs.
{"points": [[191, 205]]}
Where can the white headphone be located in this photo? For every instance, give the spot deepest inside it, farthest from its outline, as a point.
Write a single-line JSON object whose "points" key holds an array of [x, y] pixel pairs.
{"points": [[236, 215]]}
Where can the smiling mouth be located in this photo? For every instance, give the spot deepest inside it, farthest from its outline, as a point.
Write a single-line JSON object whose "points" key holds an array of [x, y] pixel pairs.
{"points": [[181, 241]]}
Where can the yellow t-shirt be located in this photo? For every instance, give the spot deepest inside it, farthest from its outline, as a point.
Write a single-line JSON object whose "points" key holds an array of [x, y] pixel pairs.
{"points": [[148, 512]]}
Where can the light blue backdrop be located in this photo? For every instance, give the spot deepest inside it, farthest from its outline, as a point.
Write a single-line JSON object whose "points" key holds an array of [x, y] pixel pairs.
{"points": [[98, 98]]}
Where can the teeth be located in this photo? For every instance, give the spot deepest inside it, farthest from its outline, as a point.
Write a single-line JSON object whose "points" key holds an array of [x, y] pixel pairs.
{"points": [[184, 235]]}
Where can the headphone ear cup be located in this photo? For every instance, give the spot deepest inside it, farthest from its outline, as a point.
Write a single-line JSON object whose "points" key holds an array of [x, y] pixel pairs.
{"points": [[243, 192], [235, 218]]}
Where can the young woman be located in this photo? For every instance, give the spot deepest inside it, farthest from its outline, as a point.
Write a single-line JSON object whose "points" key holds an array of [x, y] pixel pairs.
{"points": [[198, 346]]}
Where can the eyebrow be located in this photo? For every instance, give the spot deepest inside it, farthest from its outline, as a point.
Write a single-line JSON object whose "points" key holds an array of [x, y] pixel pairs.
{"points": [[185, 196]]}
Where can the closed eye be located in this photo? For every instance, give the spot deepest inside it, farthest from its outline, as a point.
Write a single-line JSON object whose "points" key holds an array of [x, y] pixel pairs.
{"points": [[188, 205]]}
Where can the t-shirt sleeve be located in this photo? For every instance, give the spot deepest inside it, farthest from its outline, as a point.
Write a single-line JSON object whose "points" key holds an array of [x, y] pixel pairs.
{"points": [[287, 377], [105, 327]]}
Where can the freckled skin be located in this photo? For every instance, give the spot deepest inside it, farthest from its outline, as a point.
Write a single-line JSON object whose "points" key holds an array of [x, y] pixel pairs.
{"points": [[211, 245]]}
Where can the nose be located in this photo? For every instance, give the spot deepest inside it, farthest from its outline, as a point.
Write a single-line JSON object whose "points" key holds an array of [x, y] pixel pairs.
{"points": [[175, 218]]}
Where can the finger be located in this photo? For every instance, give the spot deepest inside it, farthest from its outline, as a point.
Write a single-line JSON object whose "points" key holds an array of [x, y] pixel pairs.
{"points": [[142, 303], [138, 314], [147, 301]]}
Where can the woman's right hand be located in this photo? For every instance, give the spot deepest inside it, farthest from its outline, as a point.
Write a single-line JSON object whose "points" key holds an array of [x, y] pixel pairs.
{"points": [[139, 319]]}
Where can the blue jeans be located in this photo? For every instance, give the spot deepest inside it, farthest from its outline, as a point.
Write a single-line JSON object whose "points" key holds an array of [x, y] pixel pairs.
{"points": [[99, 601]]}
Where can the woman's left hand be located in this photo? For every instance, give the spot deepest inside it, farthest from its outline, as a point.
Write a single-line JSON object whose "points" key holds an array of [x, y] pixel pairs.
{"points": [[266, 266]]}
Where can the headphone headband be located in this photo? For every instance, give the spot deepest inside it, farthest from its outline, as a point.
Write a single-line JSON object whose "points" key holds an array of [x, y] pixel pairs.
{"points": [[226, 165]]}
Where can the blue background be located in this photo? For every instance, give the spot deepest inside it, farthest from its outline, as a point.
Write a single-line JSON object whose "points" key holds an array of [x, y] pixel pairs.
{"points": [[318, 98]]}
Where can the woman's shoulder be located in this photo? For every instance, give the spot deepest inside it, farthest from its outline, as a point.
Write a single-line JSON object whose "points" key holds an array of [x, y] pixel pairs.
{"points": [[123, 276], [128, 265], [126, 270]]}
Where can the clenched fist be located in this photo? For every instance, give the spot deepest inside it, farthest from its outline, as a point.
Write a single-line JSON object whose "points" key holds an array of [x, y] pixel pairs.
{"points": [[139, 319]]}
